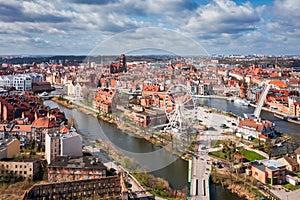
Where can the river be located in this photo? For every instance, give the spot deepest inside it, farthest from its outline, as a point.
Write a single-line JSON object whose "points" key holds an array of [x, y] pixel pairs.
{"points": [[174, 172]]}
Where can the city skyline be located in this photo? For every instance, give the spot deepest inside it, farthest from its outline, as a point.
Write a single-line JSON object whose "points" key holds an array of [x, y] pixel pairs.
{"points": [[217, 27]]}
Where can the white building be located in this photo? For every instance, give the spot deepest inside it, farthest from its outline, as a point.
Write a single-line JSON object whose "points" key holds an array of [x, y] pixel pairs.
{"points": [[22, 83], [7, 81], [36, 77], [71, 89], [2, 81], [75, 90], [69, 144]]}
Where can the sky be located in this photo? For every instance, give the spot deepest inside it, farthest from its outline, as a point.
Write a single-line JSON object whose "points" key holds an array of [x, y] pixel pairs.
{"points": [[191, 27]]}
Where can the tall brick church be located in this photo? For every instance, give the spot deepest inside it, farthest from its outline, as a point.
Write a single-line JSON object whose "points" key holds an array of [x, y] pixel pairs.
{"points": [[120, 66]]}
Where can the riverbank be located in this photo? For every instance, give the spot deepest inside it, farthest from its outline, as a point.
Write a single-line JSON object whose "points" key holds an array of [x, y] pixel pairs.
{"points": [[64, 102], [117, 156], [278, 114], [245, 187], [157, 139], [286, 119], [210, 97]]}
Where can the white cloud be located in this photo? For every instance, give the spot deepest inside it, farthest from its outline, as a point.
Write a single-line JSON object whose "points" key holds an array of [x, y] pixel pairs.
{"points": [[223, 16], [285, 18], [156, 39], [220, 26]]}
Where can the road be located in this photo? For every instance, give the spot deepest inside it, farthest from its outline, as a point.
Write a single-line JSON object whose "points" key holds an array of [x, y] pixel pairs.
{"points": [[201, 164], [283, 194], [200, 171]]}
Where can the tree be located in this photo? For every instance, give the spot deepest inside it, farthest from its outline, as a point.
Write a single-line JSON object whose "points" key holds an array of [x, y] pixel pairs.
{"points": [[268, 149], [229, 148]]}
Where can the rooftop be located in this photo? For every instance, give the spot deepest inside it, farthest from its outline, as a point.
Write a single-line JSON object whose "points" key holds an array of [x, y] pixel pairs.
{"points": [[259, 166], [273, 163], [78, 162]]}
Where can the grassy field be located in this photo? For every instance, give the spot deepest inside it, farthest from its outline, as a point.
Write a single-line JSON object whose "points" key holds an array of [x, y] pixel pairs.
{"points": [[218, 154], [250, 155]]}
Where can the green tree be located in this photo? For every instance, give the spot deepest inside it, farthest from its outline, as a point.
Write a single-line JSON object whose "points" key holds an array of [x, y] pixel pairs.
{"points": [[268, 148], [229, 148]]}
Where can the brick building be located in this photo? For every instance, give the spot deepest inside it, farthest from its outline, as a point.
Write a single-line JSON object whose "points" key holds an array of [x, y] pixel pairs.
{"points": [[67, 168], [269, 172], [120, 66], [104, 100]]}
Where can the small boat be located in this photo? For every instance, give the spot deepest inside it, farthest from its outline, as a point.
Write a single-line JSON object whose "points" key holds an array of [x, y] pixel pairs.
{"points": [[44, 94], [241, 102]]}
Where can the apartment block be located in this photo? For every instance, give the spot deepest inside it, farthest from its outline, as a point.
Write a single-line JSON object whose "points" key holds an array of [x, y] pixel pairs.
{"points": [[19, 167], [69, 144]]}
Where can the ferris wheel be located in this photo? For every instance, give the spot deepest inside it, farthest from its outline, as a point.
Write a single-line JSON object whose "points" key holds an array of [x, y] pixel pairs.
{"points": [[180, 109]]}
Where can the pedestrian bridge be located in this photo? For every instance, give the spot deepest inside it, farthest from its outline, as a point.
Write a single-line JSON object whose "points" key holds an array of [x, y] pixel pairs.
{"points": [[199, 178]]}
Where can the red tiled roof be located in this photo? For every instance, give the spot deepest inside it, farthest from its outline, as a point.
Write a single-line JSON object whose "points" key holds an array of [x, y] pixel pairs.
{"points": [[22, 128], [263, 136], [64, 129], [258, 126], [44, 122], [239, 156], [278, 83]]}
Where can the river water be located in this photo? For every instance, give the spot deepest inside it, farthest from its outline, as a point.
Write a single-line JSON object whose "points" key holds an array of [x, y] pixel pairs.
{"points": [[174, 172]]}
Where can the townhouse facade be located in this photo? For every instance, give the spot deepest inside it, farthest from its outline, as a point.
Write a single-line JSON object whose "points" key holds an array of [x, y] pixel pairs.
{"points": [[104, 100], [21, 82], [256, 127]]}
